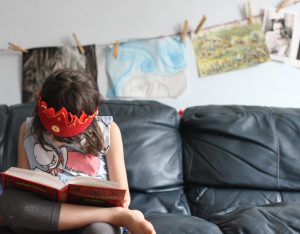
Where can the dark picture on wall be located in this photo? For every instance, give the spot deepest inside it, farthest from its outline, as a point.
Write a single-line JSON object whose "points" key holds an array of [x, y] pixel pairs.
{"points": [[295, 55], [38, 63], [279, 30]]}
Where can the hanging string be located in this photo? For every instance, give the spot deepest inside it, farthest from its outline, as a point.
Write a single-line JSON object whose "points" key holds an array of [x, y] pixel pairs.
{"points": [[281, 5]]}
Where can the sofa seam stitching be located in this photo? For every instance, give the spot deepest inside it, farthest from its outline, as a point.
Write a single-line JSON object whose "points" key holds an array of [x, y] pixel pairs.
{"points": [[277, 146]]}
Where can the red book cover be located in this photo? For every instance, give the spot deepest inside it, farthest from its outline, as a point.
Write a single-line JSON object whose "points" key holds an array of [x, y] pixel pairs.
{"points": [[80, 190], [9, 181], [91, 195]]}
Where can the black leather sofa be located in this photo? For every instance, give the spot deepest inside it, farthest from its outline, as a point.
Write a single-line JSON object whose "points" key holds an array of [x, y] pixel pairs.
{"points": [[216, 169]]}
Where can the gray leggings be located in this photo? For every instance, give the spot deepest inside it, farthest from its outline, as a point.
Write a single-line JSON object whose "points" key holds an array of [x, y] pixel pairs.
{"points": [[25, 213]]}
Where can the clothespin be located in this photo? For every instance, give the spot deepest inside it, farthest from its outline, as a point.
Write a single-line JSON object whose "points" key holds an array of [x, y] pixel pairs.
{"points": [[17, 47], [116, 49], [202, 21], [250, 16], [78, 43], [185, 30], [281, 5]]}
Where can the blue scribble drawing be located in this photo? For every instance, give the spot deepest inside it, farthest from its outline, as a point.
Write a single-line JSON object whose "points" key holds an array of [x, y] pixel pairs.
{"points": [[147, 68]]}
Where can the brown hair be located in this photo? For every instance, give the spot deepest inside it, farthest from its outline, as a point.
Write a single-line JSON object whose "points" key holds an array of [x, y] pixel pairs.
{"points": [[276, 21], [77, 92]]}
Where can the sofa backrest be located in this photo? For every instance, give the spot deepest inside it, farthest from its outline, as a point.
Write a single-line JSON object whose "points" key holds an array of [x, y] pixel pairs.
{"points": [[3, 126], [152, 144], [150, 135], [153, 154], [245, 154], [236, 146], [15, 116]]}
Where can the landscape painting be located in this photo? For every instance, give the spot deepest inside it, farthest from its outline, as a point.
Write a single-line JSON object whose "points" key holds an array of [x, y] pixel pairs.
{"points": [[229, 47]]}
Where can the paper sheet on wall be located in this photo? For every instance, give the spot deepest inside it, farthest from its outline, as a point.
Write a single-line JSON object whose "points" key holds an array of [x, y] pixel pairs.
{"points": [[39, 63], [230, 47], [143, 68]]}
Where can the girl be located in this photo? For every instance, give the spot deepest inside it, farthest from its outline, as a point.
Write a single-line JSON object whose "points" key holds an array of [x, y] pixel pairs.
{"points": [[66, 138]]}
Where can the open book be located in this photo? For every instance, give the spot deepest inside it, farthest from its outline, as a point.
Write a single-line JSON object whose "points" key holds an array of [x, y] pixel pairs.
{"points": [[79, 190]]}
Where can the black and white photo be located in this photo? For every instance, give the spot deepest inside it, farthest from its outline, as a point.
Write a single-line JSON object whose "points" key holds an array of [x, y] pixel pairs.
{"points": [[278, 27]]}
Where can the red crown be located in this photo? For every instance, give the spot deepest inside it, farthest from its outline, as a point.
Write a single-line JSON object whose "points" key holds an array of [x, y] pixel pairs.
{"points": [[63, 123]]}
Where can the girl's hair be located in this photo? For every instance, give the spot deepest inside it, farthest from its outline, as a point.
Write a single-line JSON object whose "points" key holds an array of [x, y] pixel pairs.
{"points": [[77, 92], [281, 21]]}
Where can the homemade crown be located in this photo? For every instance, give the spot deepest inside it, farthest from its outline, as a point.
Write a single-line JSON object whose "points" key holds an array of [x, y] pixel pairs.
{"points": [[63, 123]]}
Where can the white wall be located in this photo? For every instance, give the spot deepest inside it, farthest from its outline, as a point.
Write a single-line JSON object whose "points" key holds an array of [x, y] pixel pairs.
{"points": [[36, 23]]}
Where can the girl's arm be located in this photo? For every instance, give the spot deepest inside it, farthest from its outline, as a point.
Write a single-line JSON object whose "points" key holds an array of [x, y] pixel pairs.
{"points": [[22, 156], [115, 161]]}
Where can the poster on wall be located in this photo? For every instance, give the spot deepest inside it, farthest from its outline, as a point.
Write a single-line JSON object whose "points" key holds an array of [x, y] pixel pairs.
{"points": [[39, 63], [279, 27], [143, 68], [229, 47]]}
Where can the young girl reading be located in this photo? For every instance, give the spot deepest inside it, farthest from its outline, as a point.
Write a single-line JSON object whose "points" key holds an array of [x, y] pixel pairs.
{"points": [[66, 137]]}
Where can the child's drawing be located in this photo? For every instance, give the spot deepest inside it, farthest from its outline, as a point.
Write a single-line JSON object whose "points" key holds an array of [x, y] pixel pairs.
{"points": [[143, 68]]}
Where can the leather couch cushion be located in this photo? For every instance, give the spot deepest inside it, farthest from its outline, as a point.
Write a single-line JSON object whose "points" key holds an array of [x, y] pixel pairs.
{"points": [[3, 125], [208, 201], [152, 145], [160, 202], [182, 224], [276, 218], [17, 115], [242, 146], [6, 230]]}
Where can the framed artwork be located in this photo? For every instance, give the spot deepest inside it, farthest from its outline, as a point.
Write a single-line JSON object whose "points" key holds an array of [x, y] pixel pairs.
{"points": [[279, 30]]}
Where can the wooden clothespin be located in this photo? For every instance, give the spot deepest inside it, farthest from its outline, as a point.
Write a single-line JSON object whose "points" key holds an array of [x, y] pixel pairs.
{"points": [[202, 21], [185, 30], [116, 49], [78, 43], [250, 16], [281, 5], [17, 47]]}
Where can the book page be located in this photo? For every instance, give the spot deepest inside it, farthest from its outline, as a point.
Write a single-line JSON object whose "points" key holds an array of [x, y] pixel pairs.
{"points": [[92, 181], [35, 176]]}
